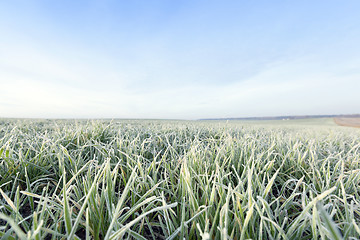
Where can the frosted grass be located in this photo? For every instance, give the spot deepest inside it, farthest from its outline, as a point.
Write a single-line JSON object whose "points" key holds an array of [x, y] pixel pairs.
{"points": [[178, 180]]}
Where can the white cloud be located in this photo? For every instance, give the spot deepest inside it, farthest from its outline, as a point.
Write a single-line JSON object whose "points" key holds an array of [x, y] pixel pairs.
{"points": [[36, 83]]}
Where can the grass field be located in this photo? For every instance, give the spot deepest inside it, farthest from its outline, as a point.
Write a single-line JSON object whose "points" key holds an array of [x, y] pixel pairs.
{"points": [[138, 179]]}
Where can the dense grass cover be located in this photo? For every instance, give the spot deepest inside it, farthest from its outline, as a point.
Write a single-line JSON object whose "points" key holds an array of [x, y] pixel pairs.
{"points": [[178, 179]]}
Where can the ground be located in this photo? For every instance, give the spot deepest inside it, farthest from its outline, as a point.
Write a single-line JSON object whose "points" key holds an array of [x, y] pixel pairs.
{"points": [[349, 122]]}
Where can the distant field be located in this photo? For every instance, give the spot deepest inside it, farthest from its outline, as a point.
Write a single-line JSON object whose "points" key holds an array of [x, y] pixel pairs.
{"points": [[309, 122], [349, 122], [137, 179]]}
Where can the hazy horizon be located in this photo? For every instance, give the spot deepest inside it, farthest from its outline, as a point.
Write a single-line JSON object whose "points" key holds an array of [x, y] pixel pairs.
{"points": [[178, 60], [292, 117]]}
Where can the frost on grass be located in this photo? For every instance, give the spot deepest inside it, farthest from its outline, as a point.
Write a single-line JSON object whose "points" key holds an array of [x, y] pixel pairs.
{"points": [[178, 179]]}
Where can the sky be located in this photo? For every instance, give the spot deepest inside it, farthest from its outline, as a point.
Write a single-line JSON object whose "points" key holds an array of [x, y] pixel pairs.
{"points": [[178, 59]]}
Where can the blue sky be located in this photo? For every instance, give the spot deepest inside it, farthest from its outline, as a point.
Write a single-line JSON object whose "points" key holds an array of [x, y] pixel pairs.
{"points": [[178, 59]]}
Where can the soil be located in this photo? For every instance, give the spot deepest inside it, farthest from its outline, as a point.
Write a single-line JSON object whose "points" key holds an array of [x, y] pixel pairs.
{"points": [[348, 122]]}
